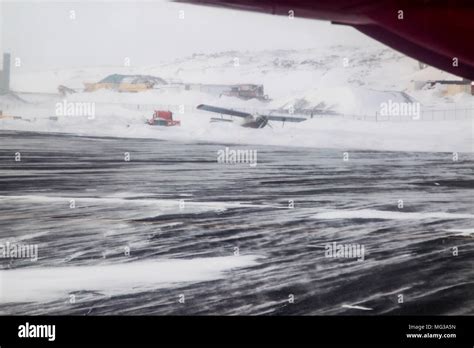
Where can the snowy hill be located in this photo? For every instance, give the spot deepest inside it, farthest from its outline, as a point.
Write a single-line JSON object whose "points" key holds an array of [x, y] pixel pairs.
{"points": [[338, 79], [281, 71], [284, 73]]}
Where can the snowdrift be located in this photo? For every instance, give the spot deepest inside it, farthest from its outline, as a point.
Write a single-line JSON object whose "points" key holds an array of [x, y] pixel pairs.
{"points": [[341, 81]]}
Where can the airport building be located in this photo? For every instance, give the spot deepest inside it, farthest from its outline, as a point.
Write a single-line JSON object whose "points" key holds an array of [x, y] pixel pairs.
{"points": [[139, 83], [450, 87], [126, 83], [243, 91]]}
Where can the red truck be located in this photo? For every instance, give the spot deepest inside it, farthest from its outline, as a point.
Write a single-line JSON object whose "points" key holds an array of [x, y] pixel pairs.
{"points": [[163, 118]]}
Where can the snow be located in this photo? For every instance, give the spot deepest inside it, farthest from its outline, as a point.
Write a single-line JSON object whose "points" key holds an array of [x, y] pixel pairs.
{"points": [[357, 307], [432, 74], [463, 232], [52, 283], [349, 100], [341, 79], [389, 215]]}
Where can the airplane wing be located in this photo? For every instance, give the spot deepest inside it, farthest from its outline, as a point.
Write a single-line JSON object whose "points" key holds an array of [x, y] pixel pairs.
{"points": [[435, 32], [284, 118], [224, 111]]}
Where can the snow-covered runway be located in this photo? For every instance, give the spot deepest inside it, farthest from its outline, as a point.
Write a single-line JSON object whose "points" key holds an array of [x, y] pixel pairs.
{"points": [[172, 231]]}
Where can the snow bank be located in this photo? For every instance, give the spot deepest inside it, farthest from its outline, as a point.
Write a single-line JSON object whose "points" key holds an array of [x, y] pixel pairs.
{"points": [[324, 132], [348, 100], [53, 283]]}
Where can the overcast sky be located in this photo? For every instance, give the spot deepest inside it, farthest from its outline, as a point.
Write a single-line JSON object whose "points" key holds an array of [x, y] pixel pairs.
{"points": [[44, 34]]}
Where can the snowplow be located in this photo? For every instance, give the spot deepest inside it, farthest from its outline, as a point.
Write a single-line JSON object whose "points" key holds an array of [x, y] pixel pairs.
{"points": [[163, 118]]}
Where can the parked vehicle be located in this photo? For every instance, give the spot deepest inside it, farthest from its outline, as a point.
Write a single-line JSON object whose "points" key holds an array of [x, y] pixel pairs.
{"points": [[163, 118]]}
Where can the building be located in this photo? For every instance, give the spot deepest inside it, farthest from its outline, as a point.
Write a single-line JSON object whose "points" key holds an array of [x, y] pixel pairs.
{"points": [[243, 91], [450, 84], [451, 87], [5, 75], [125, 83], [139, 83]]}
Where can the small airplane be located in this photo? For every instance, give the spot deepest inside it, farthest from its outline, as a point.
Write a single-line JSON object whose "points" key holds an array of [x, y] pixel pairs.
{"points": [[250, 120]]}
